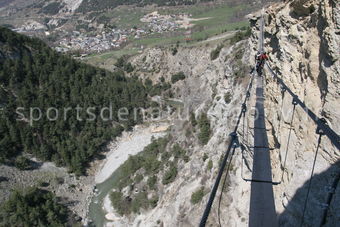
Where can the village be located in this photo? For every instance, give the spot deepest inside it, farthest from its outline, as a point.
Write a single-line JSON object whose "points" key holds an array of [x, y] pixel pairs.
{"points": [[154, 23], [104, 37], [89, 44]]}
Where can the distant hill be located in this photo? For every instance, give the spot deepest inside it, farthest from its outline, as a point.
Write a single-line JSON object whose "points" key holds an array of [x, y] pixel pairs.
{"points": [[32, 75]]}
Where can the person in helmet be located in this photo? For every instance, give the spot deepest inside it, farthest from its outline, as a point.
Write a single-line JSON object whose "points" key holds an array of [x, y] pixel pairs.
{"points": [[260, 60], [263, 56], [257, 56]]}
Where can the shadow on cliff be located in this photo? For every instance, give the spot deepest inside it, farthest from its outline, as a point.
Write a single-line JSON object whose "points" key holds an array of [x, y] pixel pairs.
{"points": [[318, 196]]}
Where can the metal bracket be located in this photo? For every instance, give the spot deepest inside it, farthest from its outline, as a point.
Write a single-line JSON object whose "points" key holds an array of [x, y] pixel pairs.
{"points": [[244, 108], [236, 142], [283, 89], [263, 147], [260, 128], [295, 101], [263, 181], [319, 130]]}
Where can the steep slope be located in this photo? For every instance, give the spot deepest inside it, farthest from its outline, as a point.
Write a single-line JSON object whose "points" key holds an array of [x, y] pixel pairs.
{"points": [[302, 38], [57, 108], [212, 88]]}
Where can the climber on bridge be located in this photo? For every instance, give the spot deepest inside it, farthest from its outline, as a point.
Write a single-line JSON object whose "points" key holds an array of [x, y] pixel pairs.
{"points": [[260, 60]]}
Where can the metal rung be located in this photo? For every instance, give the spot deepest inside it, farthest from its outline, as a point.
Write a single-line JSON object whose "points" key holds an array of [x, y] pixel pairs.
{"points": [[262, 181], [263, 147], [260, 115], [259, 128]]}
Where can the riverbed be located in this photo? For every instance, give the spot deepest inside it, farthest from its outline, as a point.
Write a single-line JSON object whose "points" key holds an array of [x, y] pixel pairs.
{"points": [[128, 144]]}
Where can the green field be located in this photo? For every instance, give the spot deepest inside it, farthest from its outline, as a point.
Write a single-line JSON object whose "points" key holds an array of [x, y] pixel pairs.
{"points": [[221, 18], [219, 21]]}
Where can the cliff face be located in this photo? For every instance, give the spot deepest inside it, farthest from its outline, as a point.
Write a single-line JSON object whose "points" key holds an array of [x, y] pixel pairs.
{"points": [[302, 38], [213, 87]]}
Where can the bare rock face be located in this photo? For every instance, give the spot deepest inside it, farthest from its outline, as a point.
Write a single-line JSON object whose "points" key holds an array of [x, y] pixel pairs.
{"points": [[204, 90], [302, 38]]}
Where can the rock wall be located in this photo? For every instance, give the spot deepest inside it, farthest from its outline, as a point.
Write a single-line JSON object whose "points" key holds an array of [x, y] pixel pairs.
{"points": [[302, 38], [203, 91]]}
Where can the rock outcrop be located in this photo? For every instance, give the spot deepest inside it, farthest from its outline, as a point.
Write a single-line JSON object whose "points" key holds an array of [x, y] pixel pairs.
{"points": [[302, 38], [215, 87]]}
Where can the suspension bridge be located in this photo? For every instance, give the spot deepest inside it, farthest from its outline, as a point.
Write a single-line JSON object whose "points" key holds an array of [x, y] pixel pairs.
{"points": [[262, 212]]}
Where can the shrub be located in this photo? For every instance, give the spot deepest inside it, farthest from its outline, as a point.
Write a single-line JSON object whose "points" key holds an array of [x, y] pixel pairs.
{"points": [[22, 163], [174, 51], [162, 79], [197, 196], [240, 35], [216, 52], [186, 158], [121, 204], [205, 131], [153, 201], [165, 156], [193, 119], [140, 201], [177, 77], [210, 165], [152, 181], [138, 178], [128, 67], [227, 97], [188, 132], [177, 151], [205, 157], [121, 62], [170, 175]]}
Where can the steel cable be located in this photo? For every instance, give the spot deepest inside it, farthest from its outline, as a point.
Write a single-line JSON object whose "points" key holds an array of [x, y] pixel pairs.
{"points": [[310, 181]]}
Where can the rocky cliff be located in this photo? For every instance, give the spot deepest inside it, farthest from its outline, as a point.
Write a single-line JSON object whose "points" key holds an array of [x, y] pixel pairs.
{"points": [[302, 38], [214, 87]]}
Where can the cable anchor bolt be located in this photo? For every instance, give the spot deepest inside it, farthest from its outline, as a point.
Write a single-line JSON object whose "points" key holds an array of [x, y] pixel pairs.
{"points": [[244, 108], [283, 89], [248, 95], [319, 130], [235, 140], [295, 101]]}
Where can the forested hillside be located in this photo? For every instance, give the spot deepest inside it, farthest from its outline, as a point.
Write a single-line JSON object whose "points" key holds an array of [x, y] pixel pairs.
{"points": [[35, 207], [91, 5], [34, 76]]}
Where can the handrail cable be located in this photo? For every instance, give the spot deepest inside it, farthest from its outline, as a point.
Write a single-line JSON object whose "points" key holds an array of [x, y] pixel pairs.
{"points": [[288, 141], [321, 133], [333, 136], [281, 109], [233, 136], [223, 184]]}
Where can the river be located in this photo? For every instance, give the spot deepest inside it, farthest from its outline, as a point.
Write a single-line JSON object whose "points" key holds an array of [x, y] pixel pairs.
{"points": [[129, 144]]}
